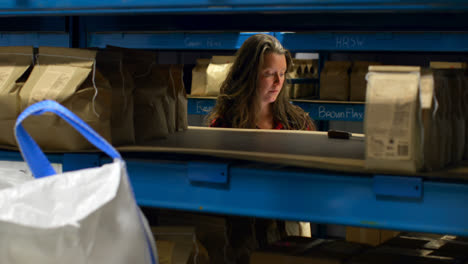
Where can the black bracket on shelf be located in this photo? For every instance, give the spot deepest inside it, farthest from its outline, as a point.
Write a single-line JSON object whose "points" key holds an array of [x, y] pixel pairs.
{"points": [[208, 174], [398, 186]]}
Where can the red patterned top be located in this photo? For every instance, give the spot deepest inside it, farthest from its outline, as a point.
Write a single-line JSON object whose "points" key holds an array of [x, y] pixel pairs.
{"points": [[220, 122]]}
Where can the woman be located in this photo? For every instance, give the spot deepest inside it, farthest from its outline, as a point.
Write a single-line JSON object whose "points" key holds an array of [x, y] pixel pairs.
{"points": [[254, 93], [254, 96]]}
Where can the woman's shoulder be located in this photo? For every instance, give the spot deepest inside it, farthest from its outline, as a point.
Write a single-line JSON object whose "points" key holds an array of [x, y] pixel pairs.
{"points": [[219, 122], [302, 120]]}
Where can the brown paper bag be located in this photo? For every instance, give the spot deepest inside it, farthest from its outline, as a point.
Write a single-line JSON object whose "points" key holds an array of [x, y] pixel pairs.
{"points": [[170, 99], [464, 98], [312, 74], [392, 120], [199, 77], [67, 76], [334, 81], [151, 85], [452, 119], [177, 74], [217, 72], [428, 108], [358, 81], [14, 63], [457, 118], [111, 64], [442, 127]]}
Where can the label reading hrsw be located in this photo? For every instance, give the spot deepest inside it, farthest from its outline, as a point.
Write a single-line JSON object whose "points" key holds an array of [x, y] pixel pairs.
{"points": [[349, 41]]}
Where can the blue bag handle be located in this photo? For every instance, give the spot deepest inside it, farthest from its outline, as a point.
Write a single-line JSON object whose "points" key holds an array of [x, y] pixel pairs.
{"points": [[33, 155]]}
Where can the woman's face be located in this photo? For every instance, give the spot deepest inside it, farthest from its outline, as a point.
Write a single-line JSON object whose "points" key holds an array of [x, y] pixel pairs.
{"points": [[271, 77]]}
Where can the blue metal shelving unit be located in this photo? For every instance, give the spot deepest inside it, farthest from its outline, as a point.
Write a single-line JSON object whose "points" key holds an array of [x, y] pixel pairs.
{"points": [[87, 7], [418, 204]]}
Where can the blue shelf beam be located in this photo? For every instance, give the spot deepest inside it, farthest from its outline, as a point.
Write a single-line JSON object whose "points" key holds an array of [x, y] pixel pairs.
{"points": [[178, 41], [317, 110], [375, 41], [317, 197], [87, 7], [35, 39], [310, 41], [33, 24]]}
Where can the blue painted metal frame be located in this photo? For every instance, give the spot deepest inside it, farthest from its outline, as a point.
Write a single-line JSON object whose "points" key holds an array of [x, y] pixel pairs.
{"points": [[75, 7], [34, 31], [78, 161], [398, 186], [178, 41], [311, 41], [307, 196], [203, 172], [318, 197], [35, 39], [16, 156], [375, 41], [316, 110]]}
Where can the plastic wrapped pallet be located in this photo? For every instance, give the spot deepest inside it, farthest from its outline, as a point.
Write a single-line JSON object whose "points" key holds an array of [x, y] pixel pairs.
{"points": [[69, 77], [14, 63], [392, 119], [111, 64]]}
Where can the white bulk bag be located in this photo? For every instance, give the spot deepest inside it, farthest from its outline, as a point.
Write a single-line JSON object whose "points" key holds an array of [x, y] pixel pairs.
{"points": [[84, 216]]}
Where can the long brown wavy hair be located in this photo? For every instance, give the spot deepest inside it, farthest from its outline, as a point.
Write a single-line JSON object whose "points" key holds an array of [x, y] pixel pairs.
{"points": [[238, 102]]}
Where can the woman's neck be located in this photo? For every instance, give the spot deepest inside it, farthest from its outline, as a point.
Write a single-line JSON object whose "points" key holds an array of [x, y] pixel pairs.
{"points": [[265, 116]]}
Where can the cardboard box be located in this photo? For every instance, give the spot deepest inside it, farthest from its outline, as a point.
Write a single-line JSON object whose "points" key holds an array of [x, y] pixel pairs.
{"points": [[300, 250], [390, 255], [447, 65], [369, 236], [179, 245], [210, 230]]}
